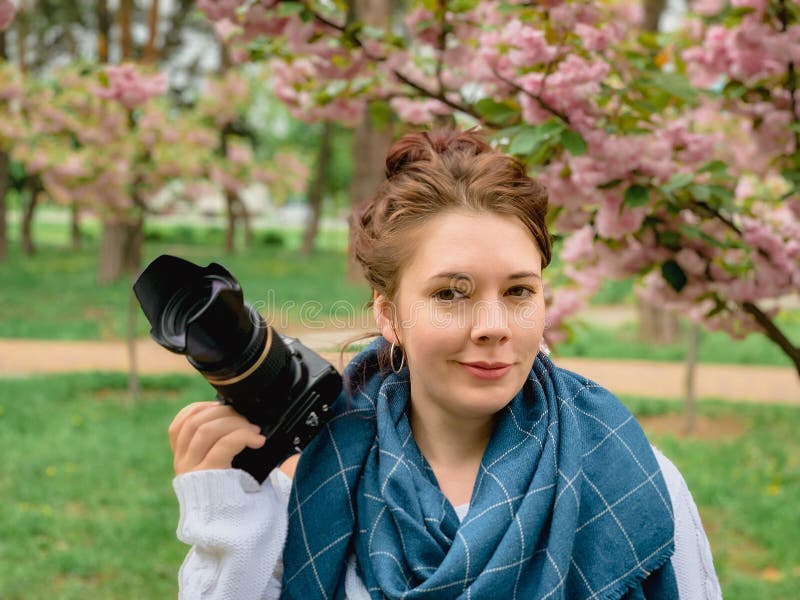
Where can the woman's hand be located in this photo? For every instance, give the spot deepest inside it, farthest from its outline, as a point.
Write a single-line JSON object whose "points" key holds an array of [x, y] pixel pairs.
{"points": [[207, 435]]}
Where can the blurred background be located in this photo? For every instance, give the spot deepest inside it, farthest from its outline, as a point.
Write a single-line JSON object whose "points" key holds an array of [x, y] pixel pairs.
{"points": [[243, 132]]}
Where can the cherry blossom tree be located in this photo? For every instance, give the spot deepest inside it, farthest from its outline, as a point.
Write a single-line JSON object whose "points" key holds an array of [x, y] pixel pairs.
{"points": [[7, 10], [619, 124]]}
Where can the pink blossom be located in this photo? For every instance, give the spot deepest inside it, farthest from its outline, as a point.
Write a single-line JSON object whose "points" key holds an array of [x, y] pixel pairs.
{"points": [[216, 10], [226, 29], [708, 8], [131, 88], [567, 14], [598, 39], [566, 301], [7, 10], [614, 221], [73, 166], [579, 246], [757, 5], [239, 153], [528, 45], [690, 261], [418, 112], [422, 25]]}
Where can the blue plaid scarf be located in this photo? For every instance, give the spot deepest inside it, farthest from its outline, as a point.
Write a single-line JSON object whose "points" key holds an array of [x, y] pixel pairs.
{"points": [[569, 501]]}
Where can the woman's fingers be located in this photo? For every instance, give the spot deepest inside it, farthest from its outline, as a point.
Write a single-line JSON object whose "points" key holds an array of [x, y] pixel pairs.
{"points": [[180, 419], [207, 435], [195, 419], [221, 454], [210, 433]]}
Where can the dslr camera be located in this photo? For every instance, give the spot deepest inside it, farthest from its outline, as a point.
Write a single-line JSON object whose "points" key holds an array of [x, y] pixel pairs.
{"points": [[273, 380]]}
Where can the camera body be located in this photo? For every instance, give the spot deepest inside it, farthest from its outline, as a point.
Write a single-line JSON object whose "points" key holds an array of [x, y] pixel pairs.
{"points": [[274, 381], [289, 425]]}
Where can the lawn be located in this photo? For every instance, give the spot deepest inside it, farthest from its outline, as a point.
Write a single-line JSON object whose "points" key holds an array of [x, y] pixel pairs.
{"points": [[594, 341], [88, 510], [54, 294]]}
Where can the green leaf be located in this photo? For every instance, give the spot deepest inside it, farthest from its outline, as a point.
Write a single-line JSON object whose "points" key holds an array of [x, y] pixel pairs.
{"points": [[679, 180], [670, 239], [674, 84], [637, 195], [674, 275], [373, 33], [287, 9], [495, 112], [458, 6], [700, 192], [380, 114], [719, 306], [609, 184], [532, 137], [573, 142], [715, 167]]}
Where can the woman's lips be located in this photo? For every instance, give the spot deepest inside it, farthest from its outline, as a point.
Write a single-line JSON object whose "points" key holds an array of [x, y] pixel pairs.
{"points": [[485, 372]]}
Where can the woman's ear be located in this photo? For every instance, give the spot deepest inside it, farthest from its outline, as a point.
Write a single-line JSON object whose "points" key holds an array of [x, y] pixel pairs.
{"points": [[383, 309]]}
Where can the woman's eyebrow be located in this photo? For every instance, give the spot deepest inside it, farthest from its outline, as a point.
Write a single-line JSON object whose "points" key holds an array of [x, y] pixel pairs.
{"points": [[461, 275]]}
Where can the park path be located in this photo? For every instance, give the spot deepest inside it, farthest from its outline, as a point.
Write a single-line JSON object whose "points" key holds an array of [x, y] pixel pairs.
{"points": [[761, 384]]}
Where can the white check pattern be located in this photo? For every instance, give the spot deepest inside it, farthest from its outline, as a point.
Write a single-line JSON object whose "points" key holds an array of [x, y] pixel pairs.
{"points": [[569, 501]]}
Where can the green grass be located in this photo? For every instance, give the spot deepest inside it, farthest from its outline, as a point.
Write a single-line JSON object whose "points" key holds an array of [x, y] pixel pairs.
{"points": [[747, 488], [54, 294], [88, 509], [592, 341]]}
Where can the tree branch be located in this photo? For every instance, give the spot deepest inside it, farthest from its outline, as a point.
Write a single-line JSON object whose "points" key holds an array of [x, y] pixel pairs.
{"points": [[440, 96], [533, 96], [791, 73], [772, 332]]}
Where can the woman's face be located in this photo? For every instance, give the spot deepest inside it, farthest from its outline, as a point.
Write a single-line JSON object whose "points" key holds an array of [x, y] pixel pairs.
{"points": [[468, 313]]}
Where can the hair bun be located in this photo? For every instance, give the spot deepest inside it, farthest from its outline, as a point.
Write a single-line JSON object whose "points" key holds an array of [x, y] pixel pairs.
{"points": [[424, 146]]}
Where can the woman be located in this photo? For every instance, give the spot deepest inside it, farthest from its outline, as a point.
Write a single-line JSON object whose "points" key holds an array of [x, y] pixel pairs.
{"points": [[461, 462]]}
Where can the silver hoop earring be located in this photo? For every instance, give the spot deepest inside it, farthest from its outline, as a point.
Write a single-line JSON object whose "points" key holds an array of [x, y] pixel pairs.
{"points": [[391, 359]]}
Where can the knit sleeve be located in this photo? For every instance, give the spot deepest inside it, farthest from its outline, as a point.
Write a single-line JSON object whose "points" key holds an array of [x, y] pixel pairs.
{"points": [[237, 530], [692, 562]]}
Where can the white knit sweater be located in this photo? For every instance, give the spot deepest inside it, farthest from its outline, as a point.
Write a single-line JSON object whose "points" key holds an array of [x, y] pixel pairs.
{"points": [[237, 530]]}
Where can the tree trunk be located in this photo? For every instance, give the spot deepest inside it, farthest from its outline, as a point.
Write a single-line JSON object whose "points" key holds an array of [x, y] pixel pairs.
{"points": [[120, 249], [5, 181], [690, 402], [34, 188], [75, 227], [316, 190], [21, 22], [370, 144], [652, 13], [150, 53], [5, 176], [125, 17], [130, 342], [244, 215], [656, 325], [103, 30], [230, 213]]}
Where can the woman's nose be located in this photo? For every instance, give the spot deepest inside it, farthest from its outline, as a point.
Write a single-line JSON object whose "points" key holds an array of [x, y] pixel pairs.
{"points": [[490, 321]]}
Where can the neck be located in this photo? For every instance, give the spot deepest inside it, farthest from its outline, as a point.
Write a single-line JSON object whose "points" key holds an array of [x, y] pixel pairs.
{"points": [[453, 446]]}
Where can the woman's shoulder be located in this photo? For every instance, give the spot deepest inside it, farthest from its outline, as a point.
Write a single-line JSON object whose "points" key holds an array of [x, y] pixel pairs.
{"points": [[692, 560]]}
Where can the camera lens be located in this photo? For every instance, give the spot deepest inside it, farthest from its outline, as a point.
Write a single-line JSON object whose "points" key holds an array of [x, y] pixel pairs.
{"points": [[186, 303]]}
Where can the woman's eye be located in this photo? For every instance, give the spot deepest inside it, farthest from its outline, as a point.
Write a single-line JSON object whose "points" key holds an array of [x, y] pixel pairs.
{"points": [[448, 294], [521, 291]]}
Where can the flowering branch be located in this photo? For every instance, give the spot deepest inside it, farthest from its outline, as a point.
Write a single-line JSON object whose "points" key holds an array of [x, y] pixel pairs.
{"points": [[440, 96], [773, 333]]}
